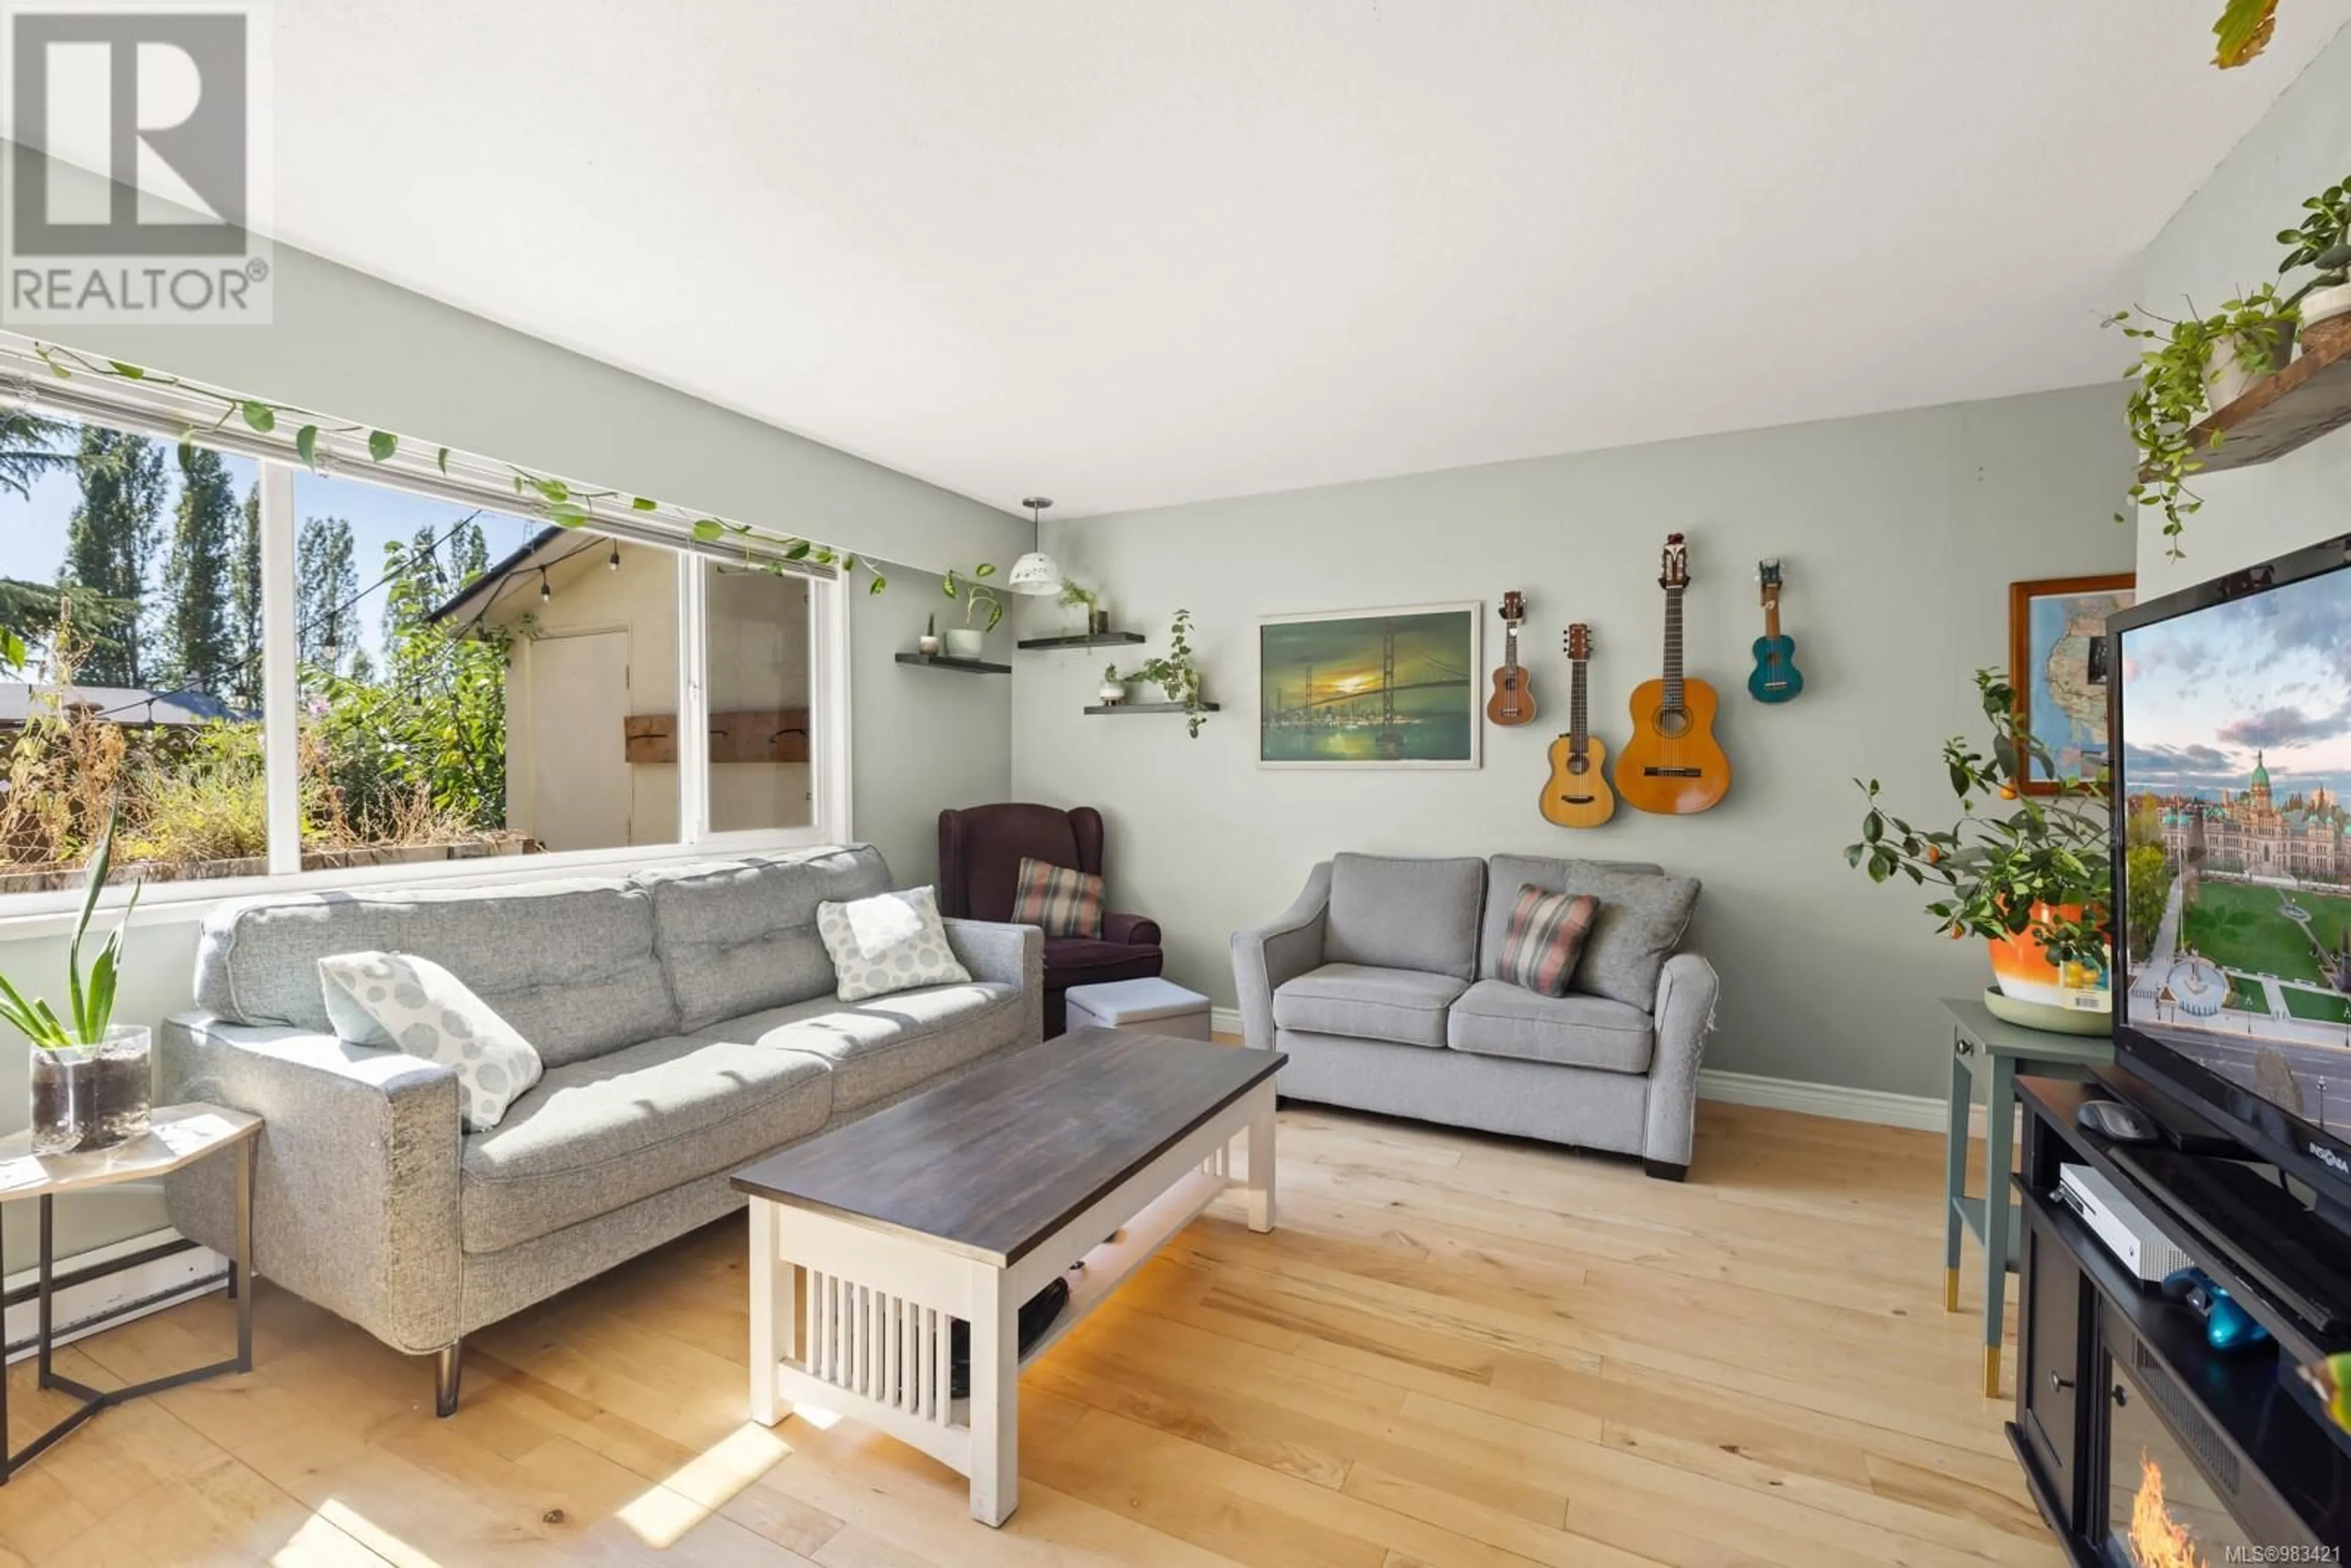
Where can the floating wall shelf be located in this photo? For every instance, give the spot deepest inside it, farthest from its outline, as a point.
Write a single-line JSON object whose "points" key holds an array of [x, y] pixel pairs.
{"points": [[1152, 707], [968, 666], [1085, 640], [2279, 412]]}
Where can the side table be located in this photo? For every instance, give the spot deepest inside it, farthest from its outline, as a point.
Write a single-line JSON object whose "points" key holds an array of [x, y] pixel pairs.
{"points": [[1978, 1038], [179, 1135]]}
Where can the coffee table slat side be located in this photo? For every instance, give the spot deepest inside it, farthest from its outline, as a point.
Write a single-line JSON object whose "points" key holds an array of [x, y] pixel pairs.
{"points": [[991, 1165]]}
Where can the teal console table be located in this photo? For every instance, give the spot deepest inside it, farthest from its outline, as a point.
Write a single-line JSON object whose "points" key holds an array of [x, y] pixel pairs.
{"points": [[2003, 1051]]}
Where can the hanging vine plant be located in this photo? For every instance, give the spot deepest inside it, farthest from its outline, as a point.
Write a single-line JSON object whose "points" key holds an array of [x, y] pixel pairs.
{"points": [[565, 504]]}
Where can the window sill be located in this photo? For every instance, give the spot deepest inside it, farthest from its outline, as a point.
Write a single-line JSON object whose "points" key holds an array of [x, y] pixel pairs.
{"points": [[30, 916]]}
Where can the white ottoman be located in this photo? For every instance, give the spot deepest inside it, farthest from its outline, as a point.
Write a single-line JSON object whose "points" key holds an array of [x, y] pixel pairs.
{"points": [[1148, 1006]]}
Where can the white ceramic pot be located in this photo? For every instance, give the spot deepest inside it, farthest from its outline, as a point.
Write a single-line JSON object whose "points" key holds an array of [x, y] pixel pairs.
{"points": [[1110, 693], [965, 643], [926, 643], [2325, 304]]}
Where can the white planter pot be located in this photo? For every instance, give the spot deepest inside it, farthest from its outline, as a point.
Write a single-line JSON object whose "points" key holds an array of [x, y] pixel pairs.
{"points": [[2325, 304], [2227, 379], [965, 642], [1110, 693], [926, 643]]}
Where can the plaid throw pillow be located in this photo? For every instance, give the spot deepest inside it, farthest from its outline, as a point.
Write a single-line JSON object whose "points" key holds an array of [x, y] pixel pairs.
{"points": [[1065, 903], [1544, 938]]}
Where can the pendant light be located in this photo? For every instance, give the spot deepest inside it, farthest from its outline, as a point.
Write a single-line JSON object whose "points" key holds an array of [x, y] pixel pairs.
{"points": [[1035, 572]]}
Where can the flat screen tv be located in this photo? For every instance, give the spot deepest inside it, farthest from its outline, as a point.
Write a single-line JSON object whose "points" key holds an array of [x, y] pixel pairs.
{"points": [[2230, 714]]}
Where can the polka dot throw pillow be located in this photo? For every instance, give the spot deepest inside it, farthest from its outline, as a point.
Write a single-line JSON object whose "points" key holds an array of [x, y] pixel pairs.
{"points": [[414, 1005], [891, 942]]}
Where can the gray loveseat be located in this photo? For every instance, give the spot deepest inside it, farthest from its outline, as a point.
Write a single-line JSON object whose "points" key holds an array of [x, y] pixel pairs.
{"points": [[1379, 982], [688, 1025]]}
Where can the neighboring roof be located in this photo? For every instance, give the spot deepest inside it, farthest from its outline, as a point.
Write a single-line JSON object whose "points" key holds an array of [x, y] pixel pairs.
{"points": [[125, 704], [475, 598]]}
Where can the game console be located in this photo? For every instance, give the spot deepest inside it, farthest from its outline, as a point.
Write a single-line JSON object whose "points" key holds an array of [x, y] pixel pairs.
{"points": [[2116, 1221]]}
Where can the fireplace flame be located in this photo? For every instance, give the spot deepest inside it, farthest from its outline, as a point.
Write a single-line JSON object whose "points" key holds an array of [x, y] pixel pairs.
{"points": [[2157, 1539]]}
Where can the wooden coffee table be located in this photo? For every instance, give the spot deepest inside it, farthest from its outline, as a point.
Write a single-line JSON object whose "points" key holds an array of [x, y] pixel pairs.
{"points": [[868, 1241]]}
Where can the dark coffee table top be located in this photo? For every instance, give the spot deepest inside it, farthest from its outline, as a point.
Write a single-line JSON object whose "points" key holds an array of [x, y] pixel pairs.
{"points": [[992, 1163]]}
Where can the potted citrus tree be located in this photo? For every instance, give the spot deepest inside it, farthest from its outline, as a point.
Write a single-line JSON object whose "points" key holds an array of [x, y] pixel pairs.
{"points": [[2029, 874], [92, 1087]]}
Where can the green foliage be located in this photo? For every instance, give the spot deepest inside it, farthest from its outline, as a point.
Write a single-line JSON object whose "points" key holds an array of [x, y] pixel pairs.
{"points": [[245, 604], [29, 448], [207, 801], [90, 1005], [430, 726], [326, 589], [976, 594], [2322, 240], [2147, 888], [110, 544], [200, 649], [1173, 673], [1989, 871], [2173, 373]]}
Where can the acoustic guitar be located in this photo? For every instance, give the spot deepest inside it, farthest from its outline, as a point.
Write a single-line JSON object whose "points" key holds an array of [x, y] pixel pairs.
{"points": [[1672, 764], [1776, 678], [1575, 795], [1513, 701]]}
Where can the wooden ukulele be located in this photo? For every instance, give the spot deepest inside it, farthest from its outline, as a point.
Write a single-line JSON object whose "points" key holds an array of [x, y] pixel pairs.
{"points": [[1575, 795], [1672, 764], [1776, 678], [1513, 701]]}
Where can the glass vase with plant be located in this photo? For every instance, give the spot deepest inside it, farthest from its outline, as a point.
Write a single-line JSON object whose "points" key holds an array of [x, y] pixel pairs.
{"points": [[1077, 596], [90, 1084], [2185, 369], [1172, 673], [2028, 873]]}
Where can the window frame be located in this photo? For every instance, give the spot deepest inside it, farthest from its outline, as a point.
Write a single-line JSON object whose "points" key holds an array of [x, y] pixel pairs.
{"points": [[27, 915]]}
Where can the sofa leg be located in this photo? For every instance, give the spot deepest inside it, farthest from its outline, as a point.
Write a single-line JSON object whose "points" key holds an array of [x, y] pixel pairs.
{"points": [[448, 1365], [1664, 1170]]}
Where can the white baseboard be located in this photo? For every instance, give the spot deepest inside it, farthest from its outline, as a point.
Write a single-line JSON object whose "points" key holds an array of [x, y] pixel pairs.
{"points": [[98, 1304], [1922, 1111]]}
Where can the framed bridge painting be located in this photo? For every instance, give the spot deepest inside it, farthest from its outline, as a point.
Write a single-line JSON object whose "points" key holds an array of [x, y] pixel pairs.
{"points": [[1371, 688]]}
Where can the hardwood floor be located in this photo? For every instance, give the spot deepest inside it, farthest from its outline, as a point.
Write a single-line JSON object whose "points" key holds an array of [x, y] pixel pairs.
{"points": [[1455, 1351]]}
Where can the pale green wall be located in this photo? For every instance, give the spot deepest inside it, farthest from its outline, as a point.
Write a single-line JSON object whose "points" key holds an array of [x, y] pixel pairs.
{"points": [[1901, 534]]}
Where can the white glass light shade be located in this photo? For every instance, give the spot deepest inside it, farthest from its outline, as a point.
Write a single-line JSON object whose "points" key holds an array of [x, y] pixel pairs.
{"points": [[1034, 573]]}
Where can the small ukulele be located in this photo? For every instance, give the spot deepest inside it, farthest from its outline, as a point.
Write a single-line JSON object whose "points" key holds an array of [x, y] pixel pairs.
{"points": [[1673, 764], [1575, 795], [1513, 701], [1776, 678]]}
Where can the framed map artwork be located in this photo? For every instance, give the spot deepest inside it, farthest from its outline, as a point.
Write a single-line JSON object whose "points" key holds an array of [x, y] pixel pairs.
{"points": [[2057, 662]]}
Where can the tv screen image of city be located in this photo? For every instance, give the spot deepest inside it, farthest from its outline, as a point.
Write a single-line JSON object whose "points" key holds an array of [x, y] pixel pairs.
{"points": [[2237, 749]]}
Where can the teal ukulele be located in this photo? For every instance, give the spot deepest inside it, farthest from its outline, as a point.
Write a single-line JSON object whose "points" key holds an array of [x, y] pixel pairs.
{"points": [[1776, 678]]}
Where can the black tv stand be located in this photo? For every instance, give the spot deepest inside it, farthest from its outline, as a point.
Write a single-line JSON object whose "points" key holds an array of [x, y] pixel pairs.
{"points": [[2109, 1371], [2268, 1234]]}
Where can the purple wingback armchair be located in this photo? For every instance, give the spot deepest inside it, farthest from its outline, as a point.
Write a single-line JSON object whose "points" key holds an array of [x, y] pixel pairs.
{"points": [[980, 850]]}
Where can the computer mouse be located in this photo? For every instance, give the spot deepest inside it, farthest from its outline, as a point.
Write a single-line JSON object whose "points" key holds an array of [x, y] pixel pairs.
{"points": [[2117, 1120]]}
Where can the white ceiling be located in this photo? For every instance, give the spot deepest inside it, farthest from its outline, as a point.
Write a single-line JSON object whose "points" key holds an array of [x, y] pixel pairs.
{"points": [[1136, 252]]}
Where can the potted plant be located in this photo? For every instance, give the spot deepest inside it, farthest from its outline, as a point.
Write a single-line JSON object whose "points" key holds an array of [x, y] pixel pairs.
{"points": [[928, 643], [1172, 673], [966, 641], [2030, 875], [1087, 601], [90, 1085], [2323, 243], [2187, 368], [1112, 690]]}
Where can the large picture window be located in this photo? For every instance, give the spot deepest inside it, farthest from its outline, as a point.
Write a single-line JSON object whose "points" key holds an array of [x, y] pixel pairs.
{"points": [[454, 680]]}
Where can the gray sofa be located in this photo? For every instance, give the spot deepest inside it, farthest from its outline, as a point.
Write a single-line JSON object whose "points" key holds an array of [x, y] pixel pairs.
{"points": [[1379, 982], [688, 1026]]}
